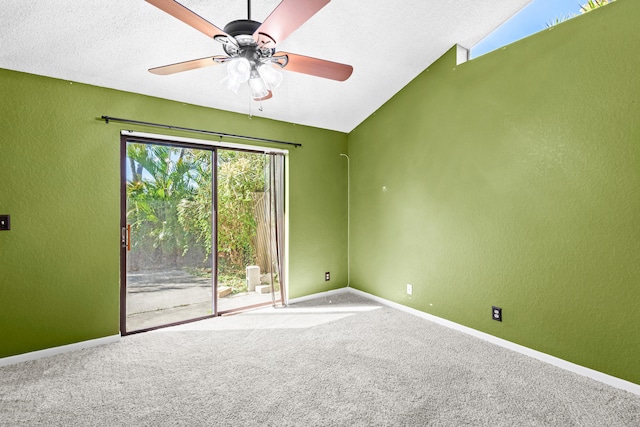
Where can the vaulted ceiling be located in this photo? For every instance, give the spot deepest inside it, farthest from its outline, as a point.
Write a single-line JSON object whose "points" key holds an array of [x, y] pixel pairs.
{"points": [[113, 44]]}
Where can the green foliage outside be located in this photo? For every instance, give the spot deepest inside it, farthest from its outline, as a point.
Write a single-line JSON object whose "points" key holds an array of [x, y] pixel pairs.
{"points": [[160, 176], [594, 4], [587, 7], [170, 203], [240, 176]]}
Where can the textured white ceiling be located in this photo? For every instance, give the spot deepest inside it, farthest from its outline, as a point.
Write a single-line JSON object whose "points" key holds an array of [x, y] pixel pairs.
{"points": [[113, 43]]}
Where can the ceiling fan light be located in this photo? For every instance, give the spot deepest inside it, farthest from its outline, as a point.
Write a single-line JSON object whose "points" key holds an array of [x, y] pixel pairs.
{"points": [[240, 69], [258, 87], [238, 72], [231, 83], [271, 76]]}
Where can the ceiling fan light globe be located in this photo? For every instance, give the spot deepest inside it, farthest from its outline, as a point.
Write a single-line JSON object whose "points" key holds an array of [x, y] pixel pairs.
{"points": [[239, 69], [271, 76], [231, 83], [258, 88]]}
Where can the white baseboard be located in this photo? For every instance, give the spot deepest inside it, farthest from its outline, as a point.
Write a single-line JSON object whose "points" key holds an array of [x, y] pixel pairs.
{"points": [[319, 295], [58, 350], [560, 363]]}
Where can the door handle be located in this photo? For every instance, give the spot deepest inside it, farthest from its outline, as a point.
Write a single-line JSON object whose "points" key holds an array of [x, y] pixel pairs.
{"points": [[125, 237]]}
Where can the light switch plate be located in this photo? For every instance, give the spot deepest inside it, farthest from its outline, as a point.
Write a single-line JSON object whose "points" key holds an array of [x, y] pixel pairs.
{"points": [[5, 222]]}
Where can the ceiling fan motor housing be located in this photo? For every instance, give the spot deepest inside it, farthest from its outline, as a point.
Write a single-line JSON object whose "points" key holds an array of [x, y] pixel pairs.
{"points": [[242, 27], [242, 31]]}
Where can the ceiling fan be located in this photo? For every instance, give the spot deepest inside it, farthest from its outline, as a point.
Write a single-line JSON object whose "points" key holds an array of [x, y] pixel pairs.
{"points": [[250, 47]]}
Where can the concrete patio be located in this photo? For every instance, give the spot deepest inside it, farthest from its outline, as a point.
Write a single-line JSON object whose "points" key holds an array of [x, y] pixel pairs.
{"points": [[161, 297]]}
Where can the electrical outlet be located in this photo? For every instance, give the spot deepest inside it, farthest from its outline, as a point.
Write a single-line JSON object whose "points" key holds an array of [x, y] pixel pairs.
{"points": [[5, 222], [327, 276], [496, 313], [409, 289]]}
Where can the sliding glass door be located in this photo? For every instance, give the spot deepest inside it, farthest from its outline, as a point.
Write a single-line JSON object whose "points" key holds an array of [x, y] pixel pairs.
{"points": [[248, 272], [201, 232], [168, 255]]}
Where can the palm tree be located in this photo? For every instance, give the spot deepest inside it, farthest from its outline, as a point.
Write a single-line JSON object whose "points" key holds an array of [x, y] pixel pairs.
{"points": [[160, 177]]}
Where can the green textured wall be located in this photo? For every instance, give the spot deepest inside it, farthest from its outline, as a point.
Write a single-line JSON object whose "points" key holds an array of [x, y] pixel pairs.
{"points": [[514, 180], [59, 174]]}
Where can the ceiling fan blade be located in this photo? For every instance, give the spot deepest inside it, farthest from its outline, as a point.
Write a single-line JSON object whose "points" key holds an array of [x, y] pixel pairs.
{"points": [[315, 67], [285, 19], [180, 12], [187, 65]]}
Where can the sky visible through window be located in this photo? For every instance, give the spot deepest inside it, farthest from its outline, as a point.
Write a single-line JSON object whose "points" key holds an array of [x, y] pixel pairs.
{"points": [[532, 19]]}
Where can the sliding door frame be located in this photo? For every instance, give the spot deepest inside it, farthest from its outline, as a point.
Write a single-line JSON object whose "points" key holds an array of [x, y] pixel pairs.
{"points": [[131, 136]]}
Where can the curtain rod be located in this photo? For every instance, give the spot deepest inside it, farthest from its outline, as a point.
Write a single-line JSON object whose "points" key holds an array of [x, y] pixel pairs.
{"points": [[107, 119]]}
